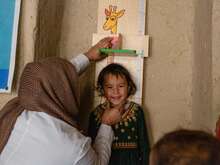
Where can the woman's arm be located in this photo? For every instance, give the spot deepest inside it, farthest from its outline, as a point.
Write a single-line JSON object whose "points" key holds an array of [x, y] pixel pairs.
{"points": [[82, 61], [100, 153]]}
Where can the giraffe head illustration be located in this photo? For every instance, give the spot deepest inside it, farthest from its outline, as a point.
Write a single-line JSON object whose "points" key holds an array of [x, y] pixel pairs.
{"points": [[112, 17]]}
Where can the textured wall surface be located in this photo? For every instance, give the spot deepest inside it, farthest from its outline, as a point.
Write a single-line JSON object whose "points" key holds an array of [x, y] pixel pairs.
{"points": [[202, 65], [216, 60], [79, 23], [48, 28], [182, 74], [168, 75]]}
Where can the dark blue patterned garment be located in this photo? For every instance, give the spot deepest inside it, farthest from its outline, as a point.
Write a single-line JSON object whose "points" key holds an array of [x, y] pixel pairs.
{"points": [[131, 143]]}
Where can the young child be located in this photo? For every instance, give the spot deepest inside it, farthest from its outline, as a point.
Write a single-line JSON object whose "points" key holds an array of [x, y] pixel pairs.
{"points": [[131, 143]]}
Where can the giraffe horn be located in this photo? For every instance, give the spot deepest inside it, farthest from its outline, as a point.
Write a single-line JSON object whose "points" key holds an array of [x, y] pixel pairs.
{"points": [[110, 8], [114, 8]]}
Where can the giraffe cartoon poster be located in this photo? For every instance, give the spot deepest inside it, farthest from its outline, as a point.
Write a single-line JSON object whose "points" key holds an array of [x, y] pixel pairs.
{"points": [[124, 16], [112, 17]]}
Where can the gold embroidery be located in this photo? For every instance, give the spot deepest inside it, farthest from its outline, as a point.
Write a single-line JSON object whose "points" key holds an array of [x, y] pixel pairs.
{"points": [[115, 138], [128, 116], [116, 126], [122, 130], [124, 145], [126, 123], [134, 118]]}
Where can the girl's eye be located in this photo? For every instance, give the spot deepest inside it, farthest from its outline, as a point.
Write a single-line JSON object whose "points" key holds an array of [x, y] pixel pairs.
{"points": [[109, 87]]}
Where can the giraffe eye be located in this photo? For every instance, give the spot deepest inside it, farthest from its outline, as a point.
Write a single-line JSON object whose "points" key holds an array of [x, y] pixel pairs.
{"points": [[112, 19]]}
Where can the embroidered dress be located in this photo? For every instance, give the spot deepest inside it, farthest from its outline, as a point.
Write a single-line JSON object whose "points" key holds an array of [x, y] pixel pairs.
{"points": [[131, 143]]}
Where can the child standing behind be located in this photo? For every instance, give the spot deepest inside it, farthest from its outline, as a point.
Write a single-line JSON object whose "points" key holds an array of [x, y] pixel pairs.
{"points": [[131, 143]]}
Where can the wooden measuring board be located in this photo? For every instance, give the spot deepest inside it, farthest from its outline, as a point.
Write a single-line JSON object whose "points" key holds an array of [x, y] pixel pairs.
{"points": [[134, 64], [134, 42], [130, 22]]}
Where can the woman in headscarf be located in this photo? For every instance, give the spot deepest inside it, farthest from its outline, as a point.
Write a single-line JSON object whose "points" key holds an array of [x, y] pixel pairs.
{"points": [[40, 125]]}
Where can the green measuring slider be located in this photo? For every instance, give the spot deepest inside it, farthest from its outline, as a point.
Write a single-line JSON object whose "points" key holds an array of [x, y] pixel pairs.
{"points": [[107, 51]]}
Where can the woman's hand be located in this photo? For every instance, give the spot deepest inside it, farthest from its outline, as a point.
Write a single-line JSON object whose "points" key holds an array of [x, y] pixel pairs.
{"points": [[111, 116], [94, 54]]}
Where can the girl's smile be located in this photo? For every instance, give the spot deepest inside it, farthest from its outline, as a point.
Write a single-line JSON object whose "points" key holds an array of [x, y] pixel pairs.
{"points": [[115, 89]]}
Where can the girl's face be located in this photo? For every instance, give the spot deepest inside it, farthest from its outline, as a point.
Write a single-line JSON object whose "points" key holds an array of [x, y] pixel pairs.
{"points": [[115, 89]]}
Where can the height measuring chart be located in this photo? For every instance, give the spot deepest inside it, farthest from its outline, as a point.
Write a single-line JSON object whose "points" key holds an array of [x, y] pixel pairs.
{"points": [[128, 18], [9, 14]]}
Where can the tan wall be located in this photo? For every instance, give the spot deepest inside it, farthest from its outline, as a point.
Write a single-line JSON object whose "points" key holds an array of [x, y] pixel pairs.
{"points": [[48, 28], [79, 23], [179, 74], [168, 76], [216, 60], [202, 65]]}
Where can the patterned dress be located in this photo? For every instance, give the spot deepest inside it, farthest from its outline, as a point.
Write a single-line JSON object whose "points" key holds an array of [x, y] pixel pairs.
{"points": [[131, 143]]}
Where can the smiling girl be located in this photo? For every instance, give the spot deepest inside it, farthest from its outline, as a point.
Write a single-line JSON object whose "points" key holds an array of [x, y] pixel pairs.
{"points": [[131, 143]]}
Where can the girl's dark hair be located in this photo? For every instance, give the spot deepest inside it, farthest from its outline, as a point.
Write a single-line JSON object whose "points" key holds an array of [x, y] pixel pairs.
{"points": [[117, 70]]}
